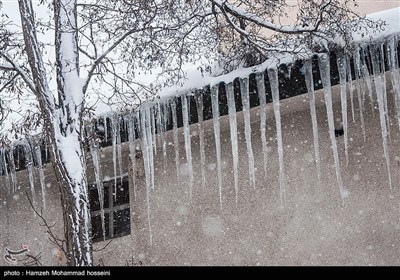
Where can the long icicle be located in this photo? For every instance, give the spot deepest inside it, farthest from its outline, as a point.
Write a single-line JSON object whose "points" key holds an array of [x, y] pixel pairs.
{"points": [[350, 85], [38, 156], [164, 121], [114, 129], [151, 139], [244, 90], [132, 149], [144, 135], [119, 147], [324, 67], [153, 129], [217, 135], [263, 118], [273, 78], [199, 107], [188, 145], [105, 128], [234, 136], [2, 163], [6, 173], [381, 105], [158, 123], [161, 131], [176, 140], [357, 70], [342, 67], [394, 75], [13, 173], [94, 150], [29, 167], [311, 99], [382, 65], [367, 79]]}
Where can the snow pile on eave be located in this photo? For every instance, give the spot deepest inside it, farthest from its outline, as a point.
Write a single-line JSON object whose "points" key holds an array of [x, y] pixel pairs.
{"points": [[392, 19], [195, 80]]}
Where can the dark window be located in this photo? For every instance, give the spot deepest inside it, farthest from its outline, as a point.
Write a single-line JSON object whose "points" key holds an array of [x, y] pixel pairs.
{"points": [[116, 210]]}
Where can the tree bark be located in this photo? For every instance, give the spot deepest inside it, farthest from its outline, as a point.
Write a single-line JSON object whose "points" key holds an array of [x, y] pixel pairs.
{"points": [[63, 124]]}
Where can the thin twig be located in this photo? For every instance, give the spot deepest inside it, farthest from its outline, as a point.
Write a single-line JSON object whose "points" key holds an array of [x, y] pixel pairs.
{"points": [[53, 238]]}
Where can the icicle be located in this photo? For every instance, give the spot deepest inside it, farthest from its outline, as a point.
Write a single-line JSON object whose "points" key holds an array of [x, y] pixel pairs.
{"points": [[38, 156], [153, 129], [2, 163], [367, 80], [350, 85], [273, 78], [188, 146], [357, 69], [145, 134], [119, 147], [381, 105], [161, 132], [164, 119], [324, 67], [13, 173], [175, 131], [46, 151], [217, 135], [341, 64], [29, 167], [199, 106], [5, 168], [150, 121], [263, 123], [158, 125], [394, 74], [382, 65], [94, 150], [234, 135], [311, 98], [244, 90], [114, 129], [132, 149], [167, 115], [105, 129]]}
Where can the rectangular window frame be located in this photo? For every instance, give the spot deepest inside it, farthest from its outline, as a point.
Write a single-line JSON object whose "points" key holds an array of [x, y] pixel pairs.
{"points": [[112, 209]]}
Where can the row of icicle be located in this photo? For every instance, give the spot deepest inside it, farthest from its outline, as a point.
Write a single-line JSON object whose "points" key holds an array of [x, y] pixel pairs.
{"points": [[153, 119]]}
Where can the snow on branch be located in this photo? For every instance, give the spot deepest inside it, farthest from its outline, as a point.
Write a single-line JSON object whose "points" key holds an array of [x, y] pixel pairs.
{"points": [[12, 66]]}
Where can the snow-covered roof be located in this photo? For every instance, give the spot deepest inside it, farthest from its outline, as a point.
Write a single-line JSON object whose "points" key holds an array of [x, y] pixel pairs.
{"points": [[197, 80]]}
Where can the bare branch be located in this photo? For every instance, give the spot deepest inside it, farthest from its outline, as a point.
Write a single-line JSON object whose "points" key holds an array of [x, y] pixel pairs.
{"points": [[23, 74], [102, 248], [60, 243], [9, 82], [239, 13], [102, 56]]}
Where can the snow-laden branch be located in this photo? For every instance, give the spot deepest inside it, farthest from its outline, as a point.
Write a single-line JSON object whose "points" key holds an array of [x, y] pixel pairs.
{"points": [[32, 47], [12, 66], [7, 67]]}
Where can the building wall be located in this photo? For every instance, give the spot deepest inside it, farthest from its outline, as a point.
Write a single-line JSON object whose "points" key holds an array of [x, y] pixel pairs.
{"points": [[315, 227]]}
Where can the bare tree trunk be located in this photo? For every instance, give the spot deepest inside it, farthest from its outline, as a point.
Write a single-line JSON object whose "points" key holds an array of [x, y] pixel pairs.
{"points": [[63, 124]]}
